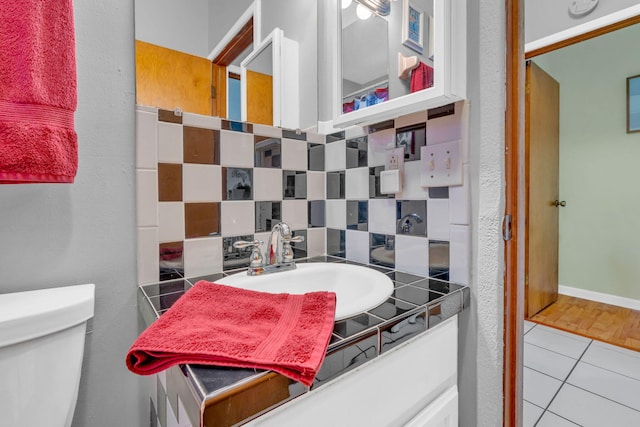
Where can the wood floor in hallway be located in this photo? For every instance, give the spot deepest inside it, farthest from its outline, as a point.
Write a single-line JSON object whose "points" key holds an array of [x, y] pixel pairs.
{"points": [[603, 322]]}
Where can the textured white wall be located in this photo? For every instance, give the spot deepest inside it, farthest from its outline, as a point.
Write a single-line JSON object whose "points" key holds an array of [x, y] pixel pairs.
{"points": [[480, 365], [547, 17], [59, 234]]}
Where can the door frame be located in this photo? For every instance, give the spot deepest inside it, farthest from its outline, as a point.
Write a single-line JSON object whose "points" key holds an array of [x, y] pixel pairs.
{"points": [[515, 201]]}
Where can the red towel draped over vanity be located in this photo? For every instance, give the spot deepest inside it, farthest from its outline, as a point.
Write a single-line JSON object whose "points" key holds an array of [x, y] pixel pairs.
{"points": [[226, 326]]}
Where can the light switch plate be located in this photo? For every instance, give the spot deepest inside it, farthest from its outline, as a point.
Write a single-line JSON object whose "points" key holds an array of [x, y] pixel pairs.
{"points": [[441, 164]]}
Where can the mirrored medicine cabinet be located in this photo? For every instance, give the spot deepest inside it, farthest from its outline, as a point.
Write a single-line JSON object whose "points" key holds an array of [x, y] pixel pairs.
{"points": [[396, 57]]}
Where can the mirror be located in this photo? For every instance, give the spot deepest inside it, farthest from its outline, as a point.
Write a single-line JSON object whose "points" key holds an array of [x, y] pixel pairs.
{"points": [[365, 59], [390, 64], [256, 84], [269, 83], [193, 59]]}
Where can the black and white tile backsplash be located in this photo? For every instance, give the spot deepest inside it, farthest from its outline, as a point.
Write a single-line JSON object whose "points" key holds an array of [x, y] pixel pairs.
{"points": [[203, 182]]}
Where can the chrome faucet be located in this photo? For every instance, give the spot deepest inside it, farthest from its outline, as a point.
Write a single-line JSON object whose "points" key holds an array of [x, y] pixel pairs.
{"points": [[279, 251], [404, 225]]}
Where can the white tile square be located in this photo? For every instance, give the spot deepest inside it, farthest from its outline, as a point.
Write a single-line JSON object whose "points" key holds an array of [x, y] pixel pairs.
{"points": [[357, 246], [148, 258], [236, 149], [378, 144], [587, 409], [146, 198], [237, 218], [170, 149], [412, 119], [202, 256], [619, 388], [147, 109], [294, 155], [555, 340], [335, 156], [549, 419], [539, 388], [146, 140], [354, 132], [447, 128], [316, 186], [336, 214], [460, 200], [531, 414], [171, 222], [528, 326], [382, 216], [357, 184], [316, 241], [411, 188], [201, 121], [313, 137], [438, 219], [412, 254], [547, 362], [267, 184], [201, 183], [269, 131], [294, 213], [459, 253], [616, 359]]}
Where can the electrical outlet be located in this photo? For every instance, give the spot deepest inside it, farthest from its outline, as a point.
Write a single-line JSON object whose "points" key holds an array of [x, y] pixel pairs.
{"points": [[393, 162], [395, 159]]}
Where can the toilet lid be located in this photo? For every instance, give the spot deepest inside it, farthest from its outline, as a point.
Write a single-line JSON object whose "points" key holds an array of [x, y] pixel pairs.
{"points": [[32, 314]]}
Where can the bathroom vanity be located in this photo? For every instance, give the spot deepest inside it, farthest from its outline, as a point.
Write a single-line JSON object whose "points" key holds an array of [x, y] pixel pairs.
{"points": [[395, 364]]}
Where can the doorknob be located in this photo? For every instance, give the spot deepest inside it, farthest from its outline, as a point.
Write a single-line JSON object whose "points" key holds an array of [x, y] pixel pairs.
{"points": [[560, 204]]}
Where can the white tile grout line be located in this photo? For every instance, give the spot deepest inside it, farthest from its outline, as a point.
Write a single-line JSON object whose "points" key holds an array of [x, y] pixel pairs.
{"points": [[562, 385]]}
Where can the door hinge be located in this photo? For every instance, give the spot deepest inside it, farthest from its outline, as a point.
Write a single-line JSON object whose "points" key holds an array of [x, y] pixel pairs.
{"points": [[506, 227], [213, 92]]}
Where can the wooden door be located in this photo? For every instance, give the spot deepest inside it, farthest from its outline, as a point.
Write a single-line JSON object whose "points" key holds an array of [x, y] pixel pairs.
{"points": [[169, 79], [259, 98], [542, 137], [218, 90]]}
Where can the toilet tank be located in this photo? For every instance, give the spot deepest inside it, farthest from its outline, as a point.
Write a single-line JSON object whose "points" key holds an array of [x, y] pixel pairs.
{"points": [[42, 336]]}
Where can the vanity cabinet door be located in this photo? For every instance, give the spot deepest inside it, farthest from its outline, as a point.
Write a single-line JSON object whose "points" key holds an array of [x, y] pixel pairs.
{"points": [[443, 412]]}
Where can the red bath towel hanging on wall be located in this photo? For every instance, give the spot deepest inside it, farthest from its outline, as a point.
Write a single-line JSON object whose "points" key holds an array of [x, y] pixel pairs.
{"points": [[38, 92]]}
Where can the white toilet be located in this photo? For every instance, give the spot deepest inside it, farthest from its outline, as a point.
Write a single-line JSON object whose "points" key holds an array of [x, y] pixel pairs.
{"points": [[41, 347]]}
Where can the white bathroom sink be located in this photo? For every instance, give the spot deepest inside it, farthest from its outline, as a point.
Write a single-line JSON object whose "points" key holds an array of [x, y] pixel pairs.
{"points": [[357, 288]]}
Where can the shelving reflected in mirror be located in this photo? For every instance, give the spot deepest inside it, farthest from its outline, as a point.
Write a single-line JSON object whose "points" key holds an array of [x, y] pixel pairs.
{"points": [[397, 57]]}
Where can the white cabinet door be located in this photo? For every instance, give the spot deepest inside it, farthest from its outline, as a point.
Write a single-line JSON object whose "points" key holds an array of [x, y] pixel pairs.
{"points": [[443, 412]]}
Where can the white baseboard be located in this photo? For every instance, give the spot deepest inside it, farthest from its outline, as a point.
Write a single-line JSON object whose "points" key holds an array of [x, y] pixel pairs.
{"points": [[633, 304]]}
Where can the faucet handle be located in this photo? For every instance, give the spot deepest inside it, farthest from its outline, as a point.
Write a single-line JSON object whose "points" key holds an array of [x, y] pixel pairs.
{"points": [[287, 251], [256, 259], [243, 244], [296, 239]]}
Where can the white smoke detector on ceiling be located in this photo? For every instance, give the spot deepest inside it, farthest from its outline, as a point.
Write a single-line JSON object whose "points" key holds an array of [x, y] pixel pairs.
{"points": [[580, 8]]}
